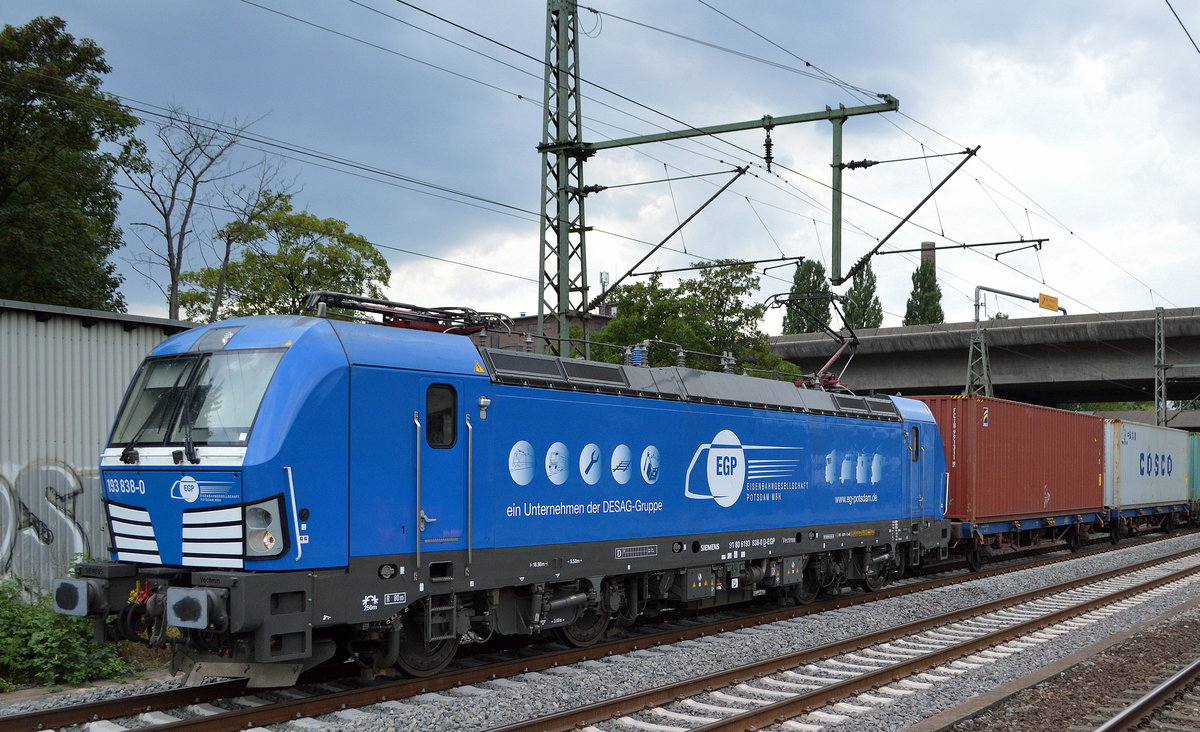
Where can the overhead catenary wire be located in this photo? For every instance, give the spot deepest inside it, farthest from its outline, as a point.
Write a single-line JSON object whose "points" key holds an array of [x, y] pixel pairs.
{"points": [[531, 213], [856, 91], [639, 104], [848, 87]]}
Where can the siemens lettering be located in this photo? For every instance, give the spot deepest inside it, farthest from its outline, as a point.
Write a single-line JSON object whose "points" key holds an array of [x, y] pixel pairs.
{"points": [[1155, 464]]}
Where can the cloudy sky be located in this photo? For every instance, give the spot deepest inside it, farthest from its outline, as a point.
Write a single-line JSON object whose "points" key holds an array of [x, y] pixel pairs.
{"points": [[1081, 109]]}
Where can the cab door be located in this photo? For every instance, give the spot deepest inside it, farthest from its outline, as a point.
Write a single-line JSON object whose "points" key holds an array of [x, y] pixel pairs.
{"points": [[916, 473], [442, 438]]}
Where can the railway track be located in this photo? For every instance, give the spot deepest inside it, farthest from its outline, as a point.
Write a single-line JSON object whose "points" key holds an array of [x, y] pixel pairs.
{"points": [[1173, 703], [193, 708], [817, 687]]}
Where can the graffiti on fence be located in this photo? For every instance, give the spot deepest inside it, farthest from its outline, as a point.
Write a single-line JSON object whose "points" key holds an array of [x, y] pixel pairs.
{"points": [[44, 519]]}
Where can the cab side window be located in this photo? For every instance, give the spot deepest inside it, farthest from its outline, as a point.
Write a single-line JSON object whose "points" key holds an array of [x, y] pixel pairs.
{"points": [[440, 418]]}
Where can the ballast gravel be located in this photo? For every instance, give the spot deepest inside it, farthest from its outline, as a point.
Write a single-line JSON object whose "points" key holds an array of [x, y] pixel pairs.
{"points": [[504, 701]]}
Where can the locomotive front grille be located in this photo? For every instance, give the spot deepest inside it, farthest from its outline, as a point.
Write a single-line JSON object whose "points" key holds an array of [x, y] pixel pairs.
{"points": [[213, 537], [133, 535]]}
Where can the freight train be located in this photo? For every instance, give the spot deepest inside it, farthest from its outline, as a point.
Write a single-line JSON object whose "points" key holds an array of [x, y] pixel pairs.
{"points": [[1021, 476], [288, 491]]}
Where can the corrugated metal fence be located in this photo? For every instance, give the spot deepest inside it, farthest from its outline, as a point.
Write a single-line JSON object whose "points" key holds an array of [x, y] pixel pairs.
{"points": [[63, 372]]}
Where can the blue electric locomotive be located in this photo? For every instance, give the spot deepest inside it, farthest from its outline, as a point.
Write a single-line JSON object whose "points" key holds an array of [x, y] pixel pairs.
{"points": [[283, 491]]}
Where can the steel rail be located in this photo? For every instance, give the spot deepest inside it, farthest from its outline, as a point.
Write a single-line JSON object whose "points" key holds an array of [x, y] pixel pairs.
{"points": [[1144, 708], [780, 711], [158, 701], [122, 706]]}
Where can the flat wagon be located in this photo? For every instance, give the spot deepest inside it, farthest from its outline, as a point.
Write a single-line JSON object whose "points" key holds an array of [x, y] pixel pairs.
{"points": [[1020, 475], [1145, 475]]}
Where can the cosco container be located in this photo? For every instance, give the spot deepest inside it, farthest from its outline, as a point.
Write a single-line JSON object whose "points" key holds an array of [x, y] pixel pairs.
{"points": [[1008, 461], [1144, 465]]}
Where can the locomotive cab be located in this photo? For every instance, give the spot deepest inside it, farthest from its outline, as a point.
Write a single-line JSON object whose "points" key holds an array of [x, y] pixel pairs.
{"points": [[209, 483]]}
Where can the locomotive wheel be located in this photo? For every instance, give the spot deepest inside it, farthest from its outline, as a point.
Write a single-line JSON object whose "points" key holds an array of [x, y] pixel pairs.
{"points": [[871, 584], [899, 569], [420, 658], [585, 631], [809, 588]]}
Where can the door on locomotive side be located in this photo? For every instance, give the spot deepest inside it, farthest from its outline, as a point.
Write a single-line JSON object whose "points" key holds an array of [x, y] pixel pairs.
{"points": [[914, 456], [408, 452], [442, 445]]}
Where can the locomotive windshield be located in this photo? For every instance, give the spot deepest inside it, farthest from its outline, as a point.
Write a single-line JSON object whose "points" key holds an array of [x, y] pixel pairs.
{"points": [[197, 399]]}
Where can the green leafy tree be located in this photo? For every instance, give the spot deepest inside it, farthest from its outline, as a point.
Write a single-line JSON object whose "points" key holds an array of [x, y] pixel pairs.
{"points": [[925, 302], [1108, 406], [708, 314], [58, 203], [288, 254], [863, 309], [808, 282]]}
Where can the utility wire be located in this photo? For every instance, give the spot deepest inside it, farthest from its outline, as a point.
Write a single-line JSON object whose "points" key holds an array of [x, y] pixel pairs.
{"points": [[856, 91], [1181, 25]]}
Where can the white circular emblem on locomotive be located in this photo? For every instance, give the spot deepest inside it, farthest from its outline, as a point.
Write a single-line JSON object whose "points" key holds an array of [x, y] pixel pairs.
{"points": [[189, 489], [520, 462], [589, 464], [620, 464], [650, 464], [726, 468], [557, 458]]}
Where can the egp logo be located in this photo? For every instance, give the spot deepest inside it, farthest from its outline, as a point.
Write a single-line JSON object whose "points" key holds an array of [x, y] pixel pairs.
{"points": [[186, 488], [725, 470]]}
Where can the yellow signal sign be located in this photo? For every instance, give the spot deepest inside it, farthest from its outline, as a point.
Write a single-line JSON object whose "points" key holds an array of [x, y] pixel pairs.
{"points": [[1047, 302]]}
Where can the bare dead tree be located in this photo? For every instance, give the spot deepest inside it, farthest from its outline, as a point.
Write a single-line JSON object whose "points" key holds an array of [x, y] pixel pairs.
{"points": [[247, 204], [195, 162]]}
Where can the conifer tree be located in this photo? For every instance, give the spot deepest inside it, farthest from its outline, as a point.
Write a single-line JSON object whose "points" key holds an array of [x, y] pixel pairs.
{"points": [[925, 302], [863, 309], [809, 280]]}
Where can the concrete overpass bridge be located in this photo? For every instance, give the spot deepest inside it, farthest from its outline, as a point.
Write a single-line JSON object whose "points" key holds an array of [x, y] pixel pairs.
{"points": [[1105, 357]]}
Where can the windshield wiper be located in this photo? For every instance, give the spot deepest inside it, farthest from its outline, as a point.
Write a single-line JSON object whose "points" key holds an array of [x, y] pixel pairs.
{"points": [[187, 418], [129, 455]]}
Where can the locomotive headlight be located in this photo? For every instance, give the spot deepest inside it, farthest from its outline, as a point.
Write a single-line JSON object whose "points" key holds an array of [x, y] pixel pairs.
{"points": [[266, 529], [262, 540]]}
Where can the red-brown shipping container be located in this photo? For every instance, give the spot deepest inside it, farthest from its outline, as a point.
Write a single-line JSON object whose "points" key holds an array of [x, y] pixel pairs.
{"points": [[1009, 460]]}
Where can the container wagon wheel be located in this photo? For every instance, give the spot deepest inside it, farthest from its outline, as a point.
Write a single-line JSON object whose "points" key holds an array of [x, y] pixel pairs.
{"points": [[1114, 532], [585, 631], [419, 657], [1075, 540]]}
